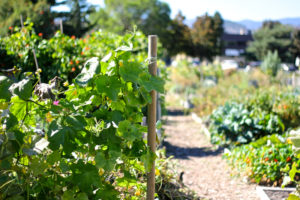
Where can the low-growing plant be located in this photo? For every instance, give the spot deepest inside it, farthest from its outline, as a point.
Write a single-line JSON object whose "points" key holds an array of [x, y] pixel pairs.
{"points": [[271, 64], [234, 124], [262, 161]]}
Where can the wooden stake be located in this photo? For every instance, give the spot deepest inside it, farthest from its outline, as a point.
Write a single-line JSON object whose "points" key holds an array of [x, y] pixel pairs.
{"points": [[21, 21], [152, 53], [61, 26], [36, 64]]}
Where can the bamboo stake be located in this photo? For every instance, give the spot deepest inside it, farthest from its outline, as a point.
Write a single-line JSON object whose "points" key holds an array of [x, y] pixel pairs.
{"points": [[61, 26], [36, 64], [152, 53], [21, 21]]}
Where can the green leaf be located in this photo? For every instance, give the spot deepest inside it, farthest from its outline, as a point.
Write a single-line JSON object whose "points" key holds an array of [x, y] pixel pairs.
{"points": [[4, 85], [58, 135], [295, 141], [82, 196], [11, 121], [23, 89], [16, 197], [37, 167], [68, 195], [130, 71], [91, 68], [128, 131], [151, 82], [293, 172], [293, 197], [148, 159], [18, 107], [85, 176], [53, 157], [76, 122], [125, 48], [102, 162], [109, 85]]}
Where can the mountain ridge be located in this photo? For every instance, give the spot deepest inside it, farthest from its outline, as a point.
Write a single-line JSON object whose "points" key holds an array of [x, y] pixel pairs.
{"points": [[242, 26]]}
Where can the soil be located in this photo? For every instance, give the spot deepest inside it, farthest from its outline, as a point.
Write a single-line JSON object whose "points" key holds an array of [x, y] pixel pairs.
{"points": [[277, 195], [201, 166]]}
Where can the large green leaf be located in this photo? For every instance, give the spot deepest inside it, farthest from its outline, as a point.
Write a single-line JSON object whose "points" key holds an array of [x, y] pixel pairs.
{"points": [[59, 135], [128, 131], [18, 107], [151, 82], [85, 176], [91, 68], [109, 85], [130, 71], [4, 85], [23, 89], [103, 162]]}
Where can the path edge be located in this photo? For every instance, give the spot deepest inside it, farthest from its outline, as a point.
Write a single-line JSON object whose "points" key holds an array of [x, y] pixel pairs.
{"points": [[198, 120]]}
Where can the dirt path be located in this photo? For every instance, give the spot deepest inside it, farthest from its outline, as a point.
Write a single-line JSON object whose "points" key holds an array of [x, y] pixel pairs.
{"points": [[205, 171]]}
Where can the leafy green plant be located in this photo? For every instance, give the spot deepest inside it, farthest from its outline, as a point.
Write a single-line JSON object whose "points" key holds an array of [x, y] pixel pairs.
{"points": [[88, 142], [62, 55], [271, 64], [294, 170], [234, 124], [262, 161]]}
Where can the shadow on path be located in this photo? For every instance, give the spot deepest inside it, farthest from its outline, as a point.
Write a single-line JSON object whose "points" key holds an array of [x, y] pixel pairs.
{"points": [[186, 152], [175, 112]]}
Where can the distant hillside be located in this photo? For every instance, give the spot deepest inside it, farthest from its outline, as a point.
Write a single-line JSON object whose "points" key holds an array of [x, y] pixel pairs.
{"points": [[250, 24], [234, 27], [254, 25], [229, 26], [244, 25]]}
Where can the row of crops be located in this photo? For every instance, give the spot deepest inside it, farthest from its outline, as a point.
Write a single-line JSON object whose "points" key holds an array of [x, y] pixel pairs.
{"points": [[253, 116], [70, 125]]}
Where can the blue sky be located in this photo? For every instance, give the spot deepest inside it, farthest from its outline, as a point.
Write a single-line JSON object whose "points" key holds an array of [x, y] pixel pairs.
{"points": [[234, 10]]}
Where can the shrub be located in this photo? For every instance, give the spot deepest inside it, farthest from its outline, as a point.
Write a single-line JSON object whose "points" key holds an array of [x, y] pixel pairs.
{"points": [[262, 161], [234, 124], [271, 64]]}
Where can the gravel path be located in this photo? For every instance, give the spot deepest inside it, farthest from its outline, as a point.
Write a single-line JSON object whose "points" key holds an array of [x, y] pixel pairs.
{"points": [[205, 171]]}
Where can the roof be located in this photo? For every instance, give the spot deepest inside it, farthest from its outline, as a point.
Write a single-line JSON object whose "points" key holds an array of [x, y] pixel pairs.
{"points": [[236, 37]]}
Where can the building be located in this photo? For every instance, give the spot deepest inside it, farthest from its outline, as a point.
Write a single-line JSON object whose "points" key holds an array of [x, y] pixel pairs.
{"points": [[235, 44]]}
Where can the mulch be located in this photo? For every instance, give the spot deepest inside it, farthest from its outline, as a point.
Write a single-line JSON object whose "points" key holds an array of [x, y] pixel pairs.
{"points": [[200, 165]]}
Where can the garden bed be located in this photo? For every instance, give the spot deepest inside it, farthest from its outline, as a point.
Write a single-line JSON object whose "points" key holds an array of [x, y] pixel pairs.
{"points": [[273, 193]]}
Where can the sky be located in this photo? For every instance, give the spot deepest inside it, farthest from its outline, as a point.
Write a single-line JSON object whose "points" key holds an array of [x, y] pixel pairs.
{"points": [[234, 10]]}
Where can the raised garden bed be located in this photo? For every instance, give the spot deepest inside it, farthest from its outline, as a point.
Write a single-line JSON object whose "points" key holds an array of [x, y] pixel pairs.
{"points": [[273, 193]]}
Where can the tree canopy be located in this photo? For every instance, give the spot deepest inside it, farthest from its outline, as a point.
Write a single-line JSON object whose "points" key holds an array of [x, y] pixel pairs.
{"points": [[206, 35], [273, 36], [37, 11]]}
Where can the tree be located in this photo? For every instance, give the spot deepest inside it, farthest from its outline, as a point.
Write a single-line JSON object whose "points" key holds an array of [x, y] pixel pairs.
{"points": [[37, 11], [206, 35], [76, 21], [179, 39], [273, 36], [271, 64], [150, 16], [295, 48]]}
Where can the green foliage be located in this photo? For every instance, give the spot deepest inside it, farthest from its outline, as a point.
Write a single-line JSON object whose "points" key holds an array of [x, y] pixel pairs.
{"points": [[75, 22], [294, 170], [234, 124], [271, 64], [119, 16], [37, 11], [295, 48], [88, 143], [206, 35], [272, 37], [62, 55], [264, 160]]}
